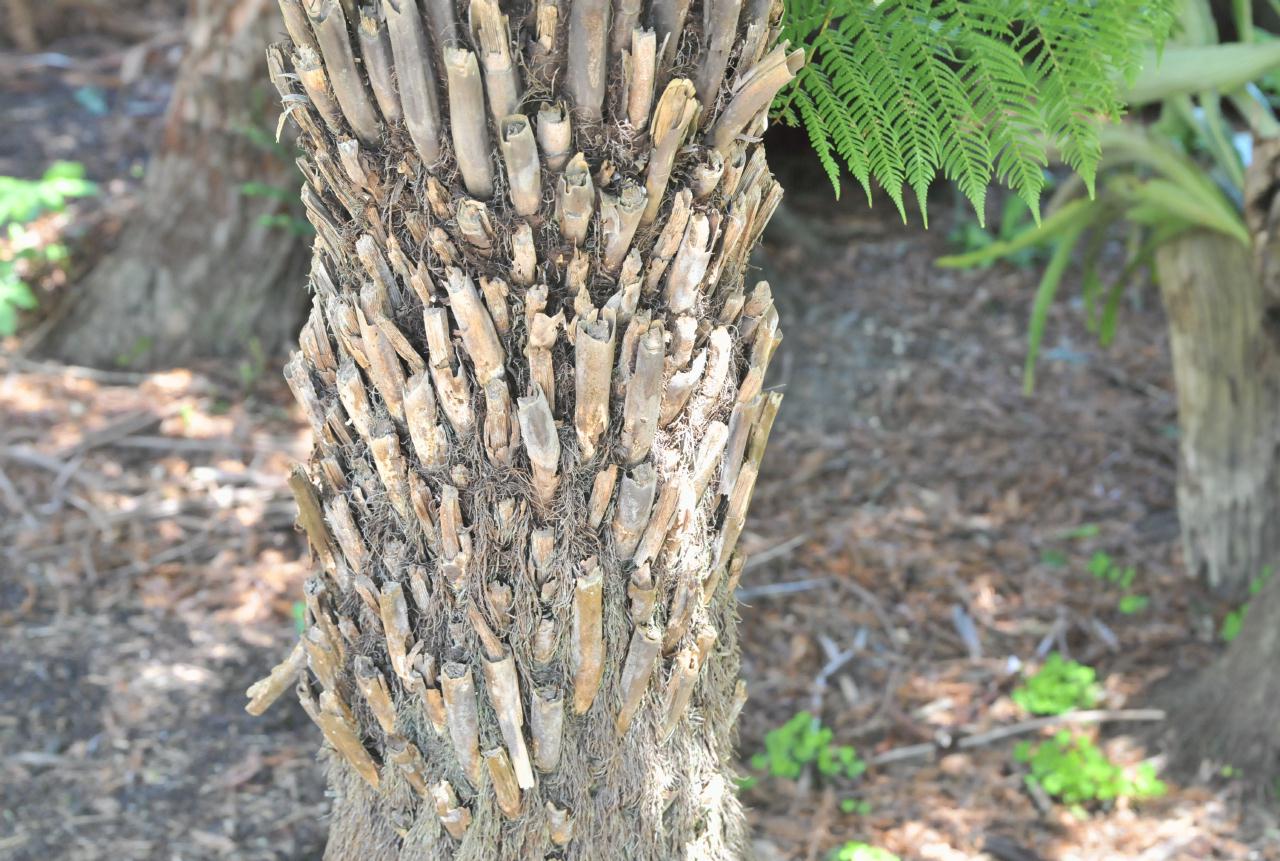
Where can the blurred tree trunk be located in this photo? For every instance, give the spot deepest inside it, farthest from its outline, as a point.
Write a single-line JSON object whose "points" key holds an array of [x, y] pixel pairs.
{"points": [[535, 381], [1226, 715], [197, 272], [1223, 304]]}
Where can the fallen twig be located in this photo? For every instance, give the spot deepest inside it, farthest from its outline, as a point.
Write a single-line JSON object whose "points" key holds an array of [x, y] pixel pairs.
{"points": [[868, 597], [770, 590], [921, 751], [777, 551], [835, 660]]}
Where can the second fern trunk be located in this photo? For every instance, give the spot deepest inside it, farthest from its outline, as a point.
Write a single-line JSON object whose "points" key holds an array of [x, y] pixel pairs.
{"points": [[1223, 303]]}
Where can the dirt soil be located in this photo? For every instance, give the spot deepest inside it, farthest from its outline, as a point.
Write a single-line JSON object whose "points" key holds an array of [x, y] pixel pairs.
{"points": [[912, 540]]}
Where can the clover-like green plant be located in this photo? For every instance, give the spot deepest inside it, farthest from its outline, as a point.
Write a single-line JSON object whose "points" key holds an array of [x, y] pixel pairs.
{"points": [[22, 201], [1058, 687], [854, 851], [803, 742], [1074, 770]]}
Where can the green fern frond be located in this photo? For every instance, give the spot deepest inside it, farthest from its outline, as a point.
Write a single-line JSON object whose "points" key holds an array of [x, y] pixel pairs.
{"points": [[975, 90]]}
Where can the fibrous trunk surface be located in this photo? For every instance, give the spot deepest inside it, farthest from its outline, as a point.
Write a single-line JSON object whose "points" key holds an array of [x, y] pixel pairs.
{"points": [[534, 374], [1223, 303]]}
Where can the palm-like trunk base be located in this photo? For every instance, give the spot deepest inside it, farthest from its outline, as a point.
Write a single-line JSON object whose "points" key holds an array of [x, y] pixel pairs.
{"points": [[535, 377]]}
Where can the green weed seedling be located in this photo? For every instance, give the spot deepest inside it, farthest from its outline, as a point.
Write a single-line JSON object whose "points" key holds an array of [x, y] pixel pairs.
{"points": [[1060, 686], [1130, 604], [22, 201], [1056, 558], [1105, 569], [1233, 622], [1075, 771], [802, 742], [862, 852], [855, 805]]}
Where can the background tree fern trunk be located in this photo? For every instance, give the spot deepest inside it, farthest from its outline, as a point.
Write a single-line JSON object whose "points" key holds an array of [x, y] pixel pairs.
{"points": [[534, 374], [1223, 303], [167, 294]]}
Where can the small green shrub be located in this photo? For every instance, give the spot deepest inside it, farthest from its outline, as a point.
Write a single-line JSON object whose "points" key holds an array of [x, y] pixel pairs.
{"points": [[1059, 687], [804, 741], [22, 201], [862, 852], [1056, 558], [1074, 770], [1053, 558]]}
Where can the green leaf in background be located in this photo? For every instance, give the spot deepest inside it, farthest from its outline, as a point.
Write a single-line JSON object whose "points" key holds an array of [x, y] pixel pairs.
{"points": [[1197, 68], [1131, 604], [1053, 558], [1049, 283], [22, 200], [862, 852], [1233, 623], [262, 189], [1084, 530], [15, 296]]}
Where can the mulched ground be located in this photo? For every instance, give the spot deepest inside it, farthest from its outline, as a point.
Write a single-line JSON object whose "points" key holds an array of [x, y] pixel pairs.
{"points": [[920, 505], [911, 552]]}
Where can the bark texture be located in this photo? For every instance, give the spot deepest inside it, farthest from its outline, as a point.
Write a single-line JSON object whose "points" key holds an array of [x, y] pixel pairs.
{"points": [[534, 373], [196, 273], [1223, 304], [1226, 715]]}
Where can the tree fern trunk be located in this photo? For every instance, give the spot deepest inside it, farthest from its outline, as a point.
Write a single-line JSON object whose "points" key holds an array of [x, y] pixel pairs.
{"points": [[1222, 714], [1223, 304], [535, 377], [196, 273]]}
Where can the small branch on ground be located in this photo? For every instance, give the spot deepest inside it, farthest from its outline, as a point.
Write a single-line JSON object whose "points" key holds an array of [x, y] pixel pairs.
{"points": [[1091, 716]]}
